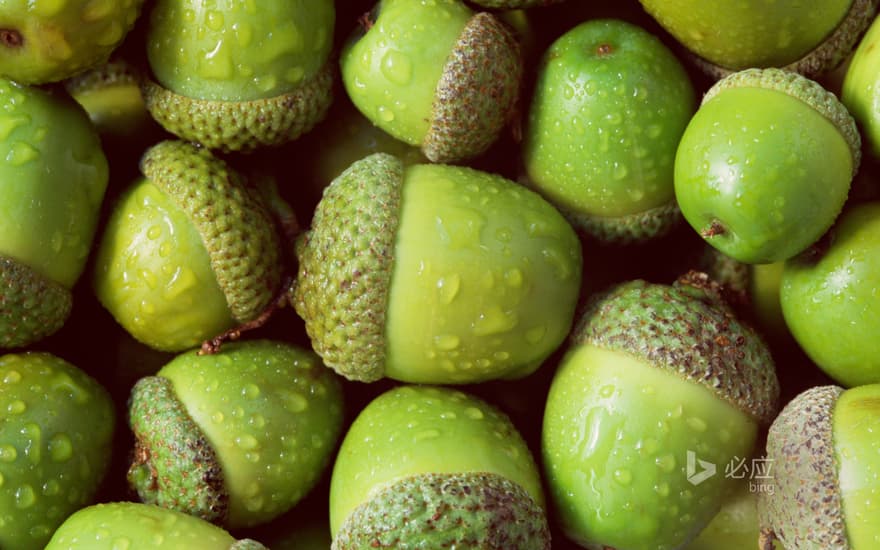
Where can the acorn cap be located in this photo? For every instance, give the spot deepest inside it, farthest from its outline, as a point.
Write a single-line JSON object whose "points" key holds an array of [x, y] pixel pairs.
{"points": [[32, 306], [461, 510], [512, 4], [799, 87], [234, 224], [345, 269], [242, 125], [825, 57], [477, 92], [111, 95], [632, 228], [805, 509], [174, 465], [687, 329]]}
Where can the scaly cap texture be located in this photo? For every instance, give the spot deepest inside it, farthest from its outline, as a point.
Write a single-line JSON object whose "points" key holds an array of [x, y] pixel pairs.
{"points": [[633, 228], [461, 510], [235, 226], [477, 92], [174, 465], [242, 125], [345, 264], [805, 509], [32, 306], [687, 329], [513, 4], [799, 87]]}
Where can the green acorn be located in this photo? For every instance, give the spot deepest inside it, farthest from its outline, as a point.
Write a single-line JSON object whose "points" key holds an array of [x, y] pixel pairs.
{"points": [[242, 75], [236, 437], [52, 182], [430, 467], [435, 274], [189, 251], [56, 432], [135, 526], [50, 40]]}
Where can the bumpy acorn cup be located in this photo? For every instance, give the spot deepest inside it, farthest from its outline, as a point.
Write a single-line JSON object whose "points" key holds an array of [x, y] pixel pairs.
{"points": [[236, 437], [728, 36], [136, 526], [430, 467], [242, 77], [453, 99], [189, 250], [52, 184], [765, 165], [435, 274], [44, 41], [56, 433], [659, 382], [824, 451]]}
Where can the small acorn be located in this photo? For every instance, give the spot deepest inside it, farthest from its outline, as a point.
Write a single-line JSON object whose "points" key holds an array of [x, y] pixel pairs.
{"points": [[189, 251], [56, 432], [136, 526], [243, 75], [765, 165], [47, 41], [237, 437], [451, 99], [52, 183], [435, 274], [659, 385], [825, 452], [732, 35], [431, 467]]}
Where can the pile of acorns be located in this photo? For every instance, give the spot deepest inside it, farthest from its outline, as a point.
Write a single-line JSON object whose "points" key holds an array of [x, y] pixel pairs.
{"points": [[439, 274]]}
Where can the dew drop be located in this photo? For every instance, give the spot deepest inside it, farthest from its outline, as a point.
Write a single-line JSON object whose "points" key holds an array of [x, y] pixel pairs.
{"points": [[696, 424], [16, 407], [12, 377], [294, 402], [397, 67], [473, 413], [446, 342], [666, 463], [536, 334], [250, 391], [606, 391], [25, 497], [247, 442], [623, 477], [60, 447], [426, 435], [448, 287], [21, 153]]}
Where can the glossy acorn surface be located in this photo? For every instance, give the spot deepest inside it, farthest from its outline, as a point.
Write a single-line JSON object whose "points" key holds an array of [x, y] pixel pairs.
{"points": [[861, 88], [830, 303], [610, 105], [413, 440], [55, 445]]}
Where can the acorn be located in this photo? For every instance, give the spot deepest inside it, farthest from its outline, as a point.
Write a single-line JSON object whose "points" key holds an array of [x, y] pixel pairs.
{"points": [[435, 274]]}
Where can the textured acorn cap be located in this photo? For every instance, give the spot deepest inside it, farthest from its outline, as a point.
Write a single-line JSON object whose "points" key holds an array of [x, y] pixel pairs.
{"points": [[461, 510], [512, 4], [477, 92], [826, 56], [242, 125], [174, 465], [633, 228], [111, 95], [234, 224], [345, 265], [805, 509], [32, 306], [687, 329], [802, 88]]}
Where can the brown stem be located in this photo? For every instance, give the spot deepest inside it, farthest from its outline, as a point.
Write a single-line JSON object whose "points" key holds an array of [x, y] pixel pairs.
{"points": [[604, 49], [767, 539], [366, 21], [11, 38], [715, 228], [212, 346]]}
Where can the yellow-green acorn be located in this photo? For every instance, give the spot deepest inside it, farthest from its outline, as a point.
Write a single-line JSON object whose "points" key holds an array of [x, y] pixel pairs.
{"points": [[451, 99], [240, 75], [190, 250], [431, 467], [435, 274], [237, 437]]}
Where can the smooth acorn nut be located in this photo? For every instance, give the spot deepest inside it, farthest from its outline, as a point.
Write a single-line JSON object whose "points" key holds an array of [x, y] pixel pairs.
{"points": [[658, 383], [431, 467], [610, 105], [860, 88], [435, 274], [237, 437], [136, 526], [765, 165], [189, 250], [55, 444], [825, 451], [47, 40], [828, 298], [52, 182], [243, 76], [729, 36], [451, 99]]}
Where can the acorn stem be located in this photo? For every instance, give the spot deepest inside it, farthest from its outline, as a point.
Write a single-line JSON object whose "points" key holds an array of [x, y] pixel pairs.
{"points": [[11, 38], [766, 539], [715, 228]]}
